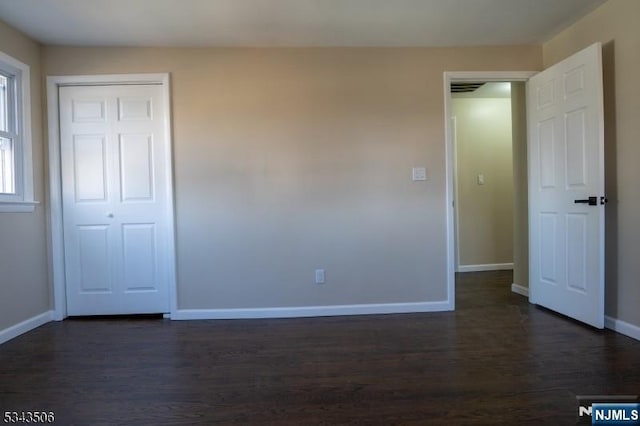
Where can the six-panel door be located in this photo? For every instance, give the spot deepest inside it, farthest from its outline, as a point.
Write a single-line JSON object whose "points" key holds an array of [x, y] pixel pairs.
{"points": [[566, 167], [114, 199]]}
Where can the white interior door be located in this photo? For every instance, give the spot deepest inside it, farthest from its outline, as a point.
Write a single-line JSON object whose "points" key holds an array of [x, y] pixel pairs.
{"points": [[566, 187], [115, 203]]}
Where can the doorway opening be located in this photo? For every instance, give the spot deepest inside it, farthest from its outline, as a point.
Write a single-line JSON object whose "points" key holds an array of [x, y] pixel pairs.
{"points": [[487, 141], [489, 136], [484, 181]]}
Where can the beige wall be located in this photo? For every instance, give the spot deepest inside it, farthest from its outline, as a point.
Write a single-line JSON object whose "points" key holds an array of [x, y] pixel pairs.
{"points": [[520, 187], [615, 24], [24, 283], [288, 160], [485, 212]]}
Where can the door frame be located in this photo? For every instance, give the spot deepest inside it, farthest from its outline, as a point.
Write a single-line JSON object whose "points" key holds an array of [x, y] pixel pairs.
{"points": [[462, 76], [56, 241]]}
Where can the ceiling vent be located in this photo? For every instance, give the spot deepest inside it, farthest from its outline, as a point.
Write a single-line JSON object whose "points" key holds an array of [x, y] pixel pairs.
{"points": [[465, 87]]}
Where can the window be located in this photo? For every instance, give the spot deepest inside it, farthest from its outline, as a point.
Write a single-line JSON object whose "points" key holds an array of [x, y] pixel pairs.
{"points": [[16, 179], [8, 133]]}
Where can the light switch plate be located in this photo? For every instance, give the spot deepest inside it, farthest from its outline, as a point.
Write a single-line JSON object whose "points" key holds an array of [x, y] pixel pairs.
{"points": [[419, 173]]}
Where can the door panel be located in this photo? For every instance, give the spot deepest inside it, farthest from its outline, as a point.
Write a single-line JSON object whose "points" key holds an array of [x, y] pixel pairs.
{"points": [[88, 110], [115, 208], [135, 108], [548, 258], [547, 154], [90, 167], [93, 261], [566, 163], [577, 230], [139, 254], [576, 166], [136, 167]]}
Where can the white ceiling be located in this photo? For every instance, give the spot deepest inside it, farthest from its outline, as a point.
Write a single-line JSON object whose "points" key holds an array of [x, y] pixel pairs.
{"points": [[293, 22]]}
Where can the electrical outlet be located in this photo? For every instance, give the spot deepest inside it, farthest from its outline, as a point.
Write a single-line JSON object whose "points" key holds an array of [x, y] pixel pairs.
{"points": [[319, 276]]}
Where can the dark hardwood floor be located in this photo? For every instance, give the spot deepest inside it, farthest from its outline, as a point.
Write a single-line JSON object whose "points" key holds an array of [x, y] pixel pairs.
{"points": [[495, 360]]}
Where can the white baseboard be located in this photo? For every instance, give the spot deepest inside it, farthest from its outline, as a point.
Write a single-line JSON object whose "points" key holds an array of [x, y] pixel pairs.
{"points": [[25, 326], [614, 324], [489, 267], [311, 311], [518, 289], [622, 327]]}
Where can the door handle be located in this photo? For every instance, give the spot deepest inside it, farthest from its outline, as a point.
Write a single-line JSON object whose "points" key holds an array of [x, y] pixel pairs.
{"points": [[110, 215], [592, 201]]}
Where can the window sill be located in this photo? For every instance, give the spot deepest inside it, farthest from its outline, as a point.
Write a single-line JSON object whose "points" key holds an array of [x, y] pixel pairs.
{"points": [[18, 206]]}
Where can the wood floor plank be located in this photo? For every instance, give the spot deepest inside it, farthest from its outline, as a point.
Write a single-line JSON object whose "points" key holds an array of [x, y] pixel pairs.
{"points": [[495, 360]]}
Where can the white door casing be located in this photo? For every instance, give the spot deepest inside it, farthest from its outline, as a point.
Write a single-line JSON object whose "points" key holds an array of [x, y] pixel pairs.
{"points": [[566, 163], [117, 217]]}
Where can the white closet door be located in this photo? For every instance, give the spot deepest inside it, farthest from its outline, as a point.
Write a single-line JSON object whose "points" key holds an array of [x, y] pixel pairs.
{"points": [[115, 206]]}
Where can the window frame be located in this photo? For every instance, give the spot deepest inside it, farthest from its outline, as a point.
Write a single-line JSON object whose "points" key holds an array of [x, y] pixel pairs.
{"points": [[22, 199]]}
